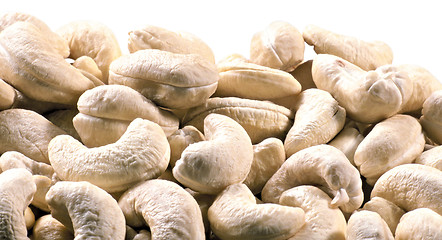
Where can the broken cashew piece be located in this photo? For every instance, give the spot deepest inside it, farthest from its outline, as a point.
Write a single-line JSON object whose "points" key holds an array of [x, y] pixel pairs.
{"points": [[49, 228], [387, 210], [421, 223], [368, 225], [180, 139]]}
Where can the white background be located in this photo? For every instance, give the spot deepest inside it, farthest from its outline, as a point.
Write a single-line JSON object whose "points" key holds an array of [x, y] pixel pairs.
{"points": [[413, 29]]}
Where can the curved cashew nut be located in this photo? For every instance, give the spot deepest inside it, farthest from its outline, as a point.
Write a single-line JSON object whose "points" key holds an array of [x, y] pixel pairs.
{"points": [[235, 215], [318, 119], [432, 115], [425, 192], [169, 211], [321, 221], [49, 228], [368, 225], [141, 153], [387, 210], [432, 158], [348, 141], [321, 165], [421, 223], [16, 192], [87, 210], [223, 159], [180, 139]]}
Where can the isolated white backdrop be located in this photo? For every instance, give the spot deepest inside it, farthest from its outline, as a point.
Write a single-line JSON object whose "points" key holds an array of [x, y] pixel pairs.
{"points": [[413, 29]]}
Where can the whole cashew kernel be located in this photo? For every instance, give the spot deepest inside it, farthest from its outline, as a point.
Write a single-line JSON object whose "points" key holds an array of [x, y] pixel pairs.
{"points": [[432, 115], [367, 225], [49, 228], [387, 210], [421, 223], [432, 158]]}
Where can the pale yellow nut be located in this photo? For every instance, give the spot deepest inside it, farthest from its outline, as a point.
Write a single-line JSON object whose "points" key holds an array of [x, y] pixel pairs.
{"points": [[260, 119], [365, 224], [29, 218], [168, 210], [431, 117], [387, 210], [321, 220], [63, 119], [366, 55], [235, 215], [348, 141], [88, 64], [7, 95], [421, 223], [432, 158], [171, 80], [318, 119], [280, 45], [180, 139], [394, 141], [49, 228]]}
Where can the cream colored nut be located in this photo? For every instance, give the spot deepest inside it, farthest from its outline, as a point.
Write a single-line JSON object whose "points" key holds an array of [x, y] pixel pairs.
{"points": [[368, 225], [392, 142], [170, 80], [87, 210], [36, 69], [235, 215], [318, 119], [43, 185], [432, 158], [321, 220], [7, 95], [27, 132], [323, 166], [180, 139], [366, 55], [16, 192], [411, 186], [248, 80], [13, 159], [57, 42], [223, 159], [141, 153], [29, 218], [303, 73], [87, 64], [367, 97], [280, 45], [49, 228], [348, 141], [63, 119], [116, 105], [143, 235], [231, 58], [24, 102], [204, 202], [93, 39], [431, 117], [153, 37], [387, 210], [268, 156], [421, 223], [169, 211], [260, 119]]}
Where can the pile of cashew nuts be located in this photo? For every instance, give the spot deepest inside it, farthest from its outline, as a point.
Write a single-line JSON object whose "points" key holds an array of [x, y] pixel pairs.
{"points": [[165, 143]]}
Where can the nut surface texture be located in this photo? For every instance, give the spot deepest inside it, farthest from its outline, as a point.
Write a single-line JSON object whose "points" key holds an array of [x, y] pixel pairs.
{"points": [[367, 225], [421, 223]]}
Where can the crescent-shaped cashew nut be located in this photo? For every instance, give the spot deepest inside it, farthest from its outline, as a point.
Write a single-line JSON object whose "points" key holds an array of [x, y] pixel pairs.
{"points": [[366, 224], [321, 220], [235, 215], [141, 153], [169, 210], [280, 45], [411, 186], [35, 68], [348, 141], [394, 141], [223, 159], [323, 166], [16, 192], [260, 119], [318, 119], [367, 97], [432, 115], [49, 228], [180, 139], [421, 223], [432, 158], [366, 55], [7, 95], [87, 210], [387, 210]]}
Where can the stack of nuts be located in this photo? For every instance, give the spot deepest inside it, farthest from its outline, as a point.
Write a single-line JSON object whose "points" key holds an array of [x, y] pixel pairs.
{"points": [[164, 143]]}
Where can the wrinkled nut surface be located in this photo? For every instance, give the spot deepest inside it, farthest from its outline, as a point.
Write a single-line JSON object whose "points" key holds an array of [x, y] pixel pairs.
{"points": [[93, 39], [421, 223], [348, 141], [169, 210], [7, 95], [387, 210], [411, 186], [153, 37], [321, 220], [235, 215], [367, 97], [392, 142], [170, 80], [432, 158], [323, 166], [49, 228], [180, 139], [27, 132], [366, 55], [431, 117], [141, 153], [280, 45], [367, 225], [260, 119], [318, 119], [16, 192], [87, 210], [223, 159]]}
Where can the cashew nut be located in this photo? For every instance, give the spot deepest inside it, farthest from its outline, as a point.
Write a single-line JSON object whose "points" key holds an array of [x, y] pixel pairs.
{"points": [[7, 95], [29, 218], [365, 224], [223, 159], [180, 139], [141, 153], [431, 117], [87, 210], [318, 119], [303, 73], [87, 64], [49, 228], [235, 215], [323, 166], [348, 141], [432, 158], [13, 159], [169, 210], [387, 210], [321, 220], [421, 223]]}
